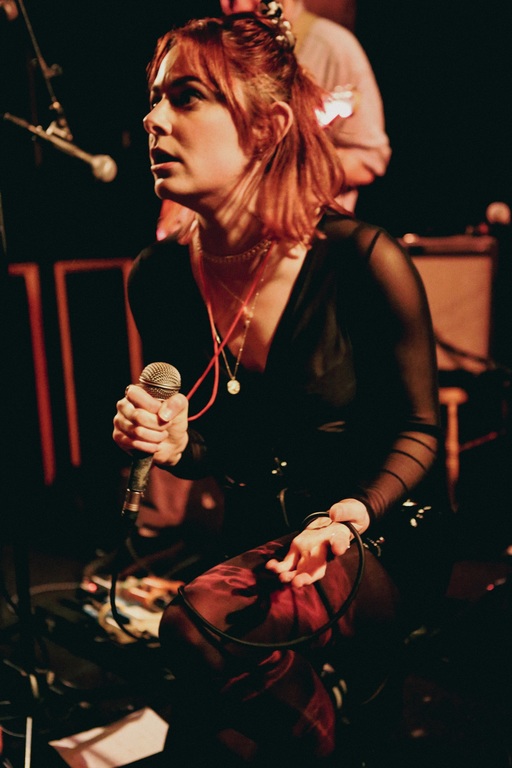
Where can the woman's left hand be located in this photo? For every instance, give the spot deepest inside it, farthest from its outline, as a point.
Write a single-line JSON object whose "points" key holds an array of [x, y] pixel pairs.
{"points": [[306, 560]]}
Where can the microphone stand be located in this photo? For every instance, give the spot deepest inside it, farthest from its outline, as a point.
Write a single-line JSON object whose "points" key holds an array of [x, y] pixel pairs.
{"points": [[26, 666], [40, 681], [103, 166], [23, 608], [60, 125], [58, 132]]}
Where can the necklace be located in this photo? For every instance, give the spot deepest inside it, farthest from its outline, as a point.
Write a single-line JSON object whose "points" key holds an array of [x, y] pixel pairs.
{"points": [[251, 253], [233, 385], [228, 290]]}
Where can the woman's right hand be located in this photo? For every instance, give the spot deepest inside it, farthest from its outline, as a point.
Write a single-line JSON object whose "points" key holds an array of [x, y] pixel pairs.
{"points": [[310, 550], [143, 423]]}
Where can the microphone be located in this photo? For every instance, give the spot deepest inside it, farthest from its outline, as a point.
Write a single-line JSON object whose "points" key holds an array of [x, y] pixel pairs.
{"points": [[498, 213], [160, 380], [103, 166], [10, 9]]}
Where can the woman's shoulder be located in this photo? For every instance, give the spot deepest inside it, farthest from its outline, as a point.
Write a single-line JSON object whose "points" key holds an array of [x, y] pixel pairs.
{"points": [[163, 257], [160, 251], [157, 268], [363, 236]]}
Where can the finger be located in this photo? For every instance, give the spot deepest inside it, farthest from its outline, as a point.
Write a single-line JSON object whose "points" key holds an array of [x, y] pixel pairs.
{"points": [[130, 429], [288, 563], [139, 424], [351, 510], [287, 577], [147, 437], [308, 569], [174, 409], [138, 397], [306, 578], [339, 539]]}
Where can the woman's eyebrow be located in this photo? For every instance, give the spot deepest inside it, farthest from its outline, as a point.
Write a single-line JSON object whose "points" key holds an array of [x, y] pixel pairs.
{"points": [[183, 80]]}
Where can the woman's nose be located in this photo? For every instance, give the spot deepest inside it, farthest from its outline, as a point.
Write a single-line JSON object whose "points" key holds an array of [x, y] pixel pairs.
{"points": [[158, 121]]}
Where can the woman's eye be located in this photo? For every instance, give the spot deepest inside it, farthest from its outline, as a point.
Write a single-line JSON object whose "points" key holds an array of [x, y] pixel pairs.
{"points": [[187, 97]]}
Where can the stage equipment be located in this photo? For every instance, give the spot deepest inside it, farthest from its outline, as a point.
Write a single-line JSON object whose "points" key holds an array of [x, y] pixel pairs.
{"points": [[103, 166], [58, 132], [458, 272]]}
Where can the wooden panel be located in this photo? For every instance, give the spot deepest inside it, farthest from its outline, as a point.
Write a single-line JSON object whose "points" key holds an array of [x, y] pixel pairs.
{"points": [[29, 272], [97, 332]]}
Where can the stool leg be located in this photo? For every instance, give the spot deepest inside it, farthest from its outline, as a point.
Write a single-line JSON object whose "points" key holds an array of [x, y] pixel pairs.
{"points": [[452, 398]]}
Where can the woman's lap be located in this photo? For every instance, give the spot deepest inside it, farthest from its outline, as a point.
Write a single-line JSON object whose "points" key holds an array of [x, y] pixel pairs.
{"points": [[257, 685]]}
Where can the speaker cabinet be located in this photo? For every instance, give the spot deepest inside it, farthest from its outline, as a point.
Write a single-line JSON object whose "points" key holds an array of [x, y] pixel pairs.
{"points": [[458, 274]]}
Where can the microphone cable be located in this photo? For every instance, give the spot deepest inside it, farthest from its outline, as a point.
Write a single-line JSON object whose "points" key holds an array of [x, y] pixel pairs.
{"points": [[197, 617], [286, 644]]}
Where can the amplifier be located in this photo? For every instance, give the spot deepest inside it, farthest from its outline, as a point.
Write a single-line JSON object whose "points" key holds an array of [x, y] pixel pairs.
{"points": [[458, 274]]}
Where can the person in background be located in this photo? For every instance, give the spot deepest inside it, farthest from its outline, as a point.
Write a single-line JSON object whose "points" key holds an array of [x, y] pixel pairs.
{"points": [[309, 391], [335, 58]]}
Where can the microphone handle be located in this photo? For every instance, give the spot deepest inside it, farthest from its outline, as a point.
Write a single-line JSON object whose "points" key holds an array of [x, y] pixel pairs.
{"points": [[160, 380], [137, 482]]}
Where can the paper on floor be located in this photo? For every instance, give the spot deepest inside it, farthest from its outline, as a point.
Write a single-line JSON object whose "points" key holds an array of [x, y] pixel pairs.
{"points": [[136, 736]]}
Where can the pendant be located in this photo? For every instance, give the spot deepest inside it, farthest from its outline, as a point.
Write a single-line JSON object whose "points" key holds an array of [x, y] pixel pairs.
{"points": [[233, 387]]}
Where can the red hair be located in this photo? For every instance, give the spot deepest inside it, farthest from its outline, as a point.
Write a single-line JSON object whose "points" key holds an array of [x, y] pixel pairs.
{"points": [[241, 61]]}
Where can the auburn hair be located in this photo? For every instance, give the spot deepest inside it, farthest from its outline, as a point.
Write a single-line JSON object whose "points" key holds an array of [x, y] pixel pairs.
{"points": [[242, 61]]}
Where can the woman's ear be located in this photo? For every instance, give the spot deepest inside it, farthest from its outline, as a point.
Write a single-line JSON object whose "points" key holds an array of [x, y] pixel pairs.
{"points": [[282, 119]]}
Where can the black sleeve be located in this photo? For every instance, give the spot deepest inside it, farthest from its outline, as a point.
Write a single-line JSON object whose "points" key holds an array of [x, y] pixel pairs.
{"points": [[394, 352]]}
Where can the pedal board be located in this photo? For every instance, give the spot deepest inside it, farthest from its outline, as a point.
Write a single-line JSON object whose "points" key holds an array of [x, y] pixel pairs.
{"points": [[139, 605]]}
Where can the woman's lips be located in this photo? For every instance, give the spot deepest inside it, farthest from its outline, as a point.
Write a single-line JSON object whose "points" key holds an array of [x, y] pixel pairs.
{"points": [[160, 164]]}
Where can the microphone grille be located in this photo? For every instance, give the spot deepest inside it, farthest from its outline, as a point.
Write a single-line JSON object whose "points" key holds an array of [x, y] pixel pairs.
{"points": [[498, 213], [104, 168], [160, 380]]}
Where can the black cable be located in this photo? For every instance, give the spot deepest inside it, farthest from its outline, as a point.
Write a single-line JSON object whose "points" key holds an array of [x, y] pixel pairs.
{"points": [[298, 640], [489, 363], [115, 613]]}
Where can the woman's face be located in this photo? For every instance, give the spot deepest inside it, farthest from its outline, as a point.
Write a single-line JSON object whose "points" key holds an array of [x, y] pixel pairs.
{"points": [[196, 157]]}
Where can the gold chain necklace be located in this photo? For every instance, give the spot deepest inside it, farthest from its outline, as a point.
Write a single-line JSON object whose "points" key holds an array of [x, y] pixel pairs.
{"points": [[251, 253], [261, 249], [228, 290], [233, 385]]}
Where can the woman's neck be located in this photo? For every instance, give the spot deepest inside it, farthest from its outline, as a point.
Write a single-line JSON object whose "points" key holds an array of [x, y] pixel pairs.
{"points": [[219, 237]]}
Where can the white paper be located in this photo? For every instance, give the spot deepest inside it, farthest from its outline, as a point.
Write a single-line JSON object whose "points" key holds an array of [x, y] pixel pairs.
{"points": [[136, 736]]}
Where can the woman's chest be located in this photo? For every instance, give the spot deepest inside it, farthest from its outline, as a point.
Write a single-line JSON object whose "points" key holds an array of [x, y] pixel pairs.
{"points": [[251, 337]]}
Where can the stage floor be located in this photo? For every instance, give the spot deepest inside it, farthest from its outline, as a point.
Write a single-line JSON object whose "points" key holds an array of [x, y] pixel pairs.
{"points": [[457, 694]]}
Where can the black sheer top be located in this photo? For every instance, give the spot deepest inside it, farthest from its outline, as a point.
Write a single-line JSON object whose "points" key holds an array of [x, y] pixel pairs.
{"points": [[347, 404]]}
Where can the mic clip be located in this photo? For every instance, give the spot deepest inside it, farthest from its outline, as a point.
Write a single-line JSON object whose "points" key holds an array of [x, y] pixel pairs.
{"points": [[60, 128]]}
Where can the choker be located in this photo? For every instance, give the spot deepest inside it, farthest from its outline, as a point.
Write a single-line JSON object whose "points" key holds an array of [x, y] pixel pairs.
{"points": [[251, 253]]}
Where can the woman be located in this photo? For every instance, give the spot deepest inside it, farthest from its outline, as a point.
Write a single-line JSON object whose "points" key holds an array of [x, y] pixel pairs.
{"points": [[306, 353]]}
